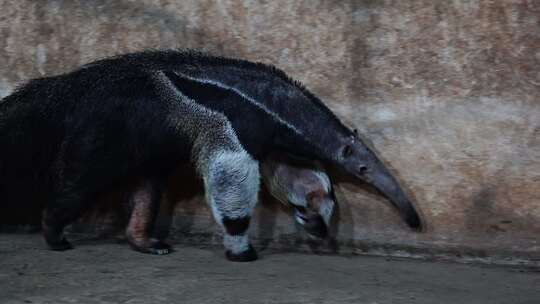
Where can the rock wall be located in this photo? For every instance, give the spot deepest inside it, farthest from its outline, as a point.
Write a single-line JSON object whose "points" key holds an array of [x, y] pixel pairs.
{"points": [[448, 92]]}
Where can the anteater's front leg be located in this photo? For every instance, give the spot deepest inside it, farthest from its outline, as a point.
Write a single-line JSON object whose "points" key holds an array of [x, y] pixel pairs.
{"points": [[144, 203], [232, 185], [230, 174]]}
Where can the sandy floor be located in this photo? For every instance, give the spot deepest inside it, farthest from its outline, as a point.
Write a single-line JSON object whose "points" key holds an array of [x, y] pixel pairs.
{"points": [[100, 271]]}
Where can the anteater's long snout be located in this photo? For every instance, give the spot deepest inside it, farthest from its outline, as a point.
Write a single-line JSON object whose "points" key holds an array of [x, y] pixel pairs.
{"points": [[360, 161], [384, 182]]}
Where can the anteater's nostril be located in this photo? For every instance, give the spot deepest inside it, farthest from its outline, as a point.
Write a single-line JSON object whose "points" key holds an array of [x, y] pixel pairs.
{"points": [[362, 169]]}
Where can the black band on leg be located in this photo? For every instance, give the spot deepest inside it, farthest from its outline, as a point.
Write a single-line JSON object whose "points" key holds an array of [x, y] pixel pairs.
{"points": [[236, 226]]}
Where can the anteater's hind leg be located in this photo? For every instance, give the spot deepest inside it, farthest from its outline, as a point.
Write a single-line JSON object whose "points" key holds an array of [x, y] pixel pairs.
{"points": [[144, 204], [232, 185], [62, 211]]}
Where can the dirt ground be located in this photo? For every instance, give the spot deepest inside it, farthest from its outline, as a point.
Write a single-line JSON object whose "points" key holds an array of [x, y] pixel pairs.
{"points": [[107, 271]]}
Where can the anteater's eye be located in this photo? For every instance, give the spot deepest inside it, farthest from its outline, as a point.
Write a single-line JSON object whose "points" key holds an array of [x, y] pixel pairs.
{"points": [[347, 151]]}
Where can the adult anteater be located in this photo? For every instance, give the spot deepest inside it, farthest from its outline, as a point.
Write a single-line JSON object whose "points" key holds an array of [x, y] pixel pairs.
{"points": [[67, 138]]}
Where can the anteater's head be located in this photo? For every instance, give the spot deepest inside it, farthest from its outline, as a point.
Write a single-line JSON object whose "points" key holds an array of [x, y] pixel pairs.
{"points": [[352, 155]]}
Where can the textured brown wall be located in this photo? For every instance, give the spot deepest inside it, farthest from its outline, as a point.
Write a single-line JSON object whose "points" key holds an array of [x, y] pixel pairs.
{"points": [[447, 91]]}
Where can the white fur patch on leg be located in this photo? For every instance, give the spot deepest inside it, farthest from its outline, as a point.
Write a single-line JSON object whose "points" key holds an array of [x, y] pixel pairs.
{"points": [[236, 243], [232, 187], [232, 184]]}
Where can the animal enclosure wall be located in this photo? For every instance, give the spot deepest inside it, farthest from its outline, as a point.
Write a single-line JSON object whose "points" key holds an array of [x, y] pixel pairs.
{"points": [[448, 93]]}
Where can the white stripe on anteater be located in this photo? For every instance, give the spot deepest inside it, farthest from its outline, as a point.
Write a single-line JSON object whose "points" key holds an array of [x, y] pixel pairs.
{"points": [[244, 96]]}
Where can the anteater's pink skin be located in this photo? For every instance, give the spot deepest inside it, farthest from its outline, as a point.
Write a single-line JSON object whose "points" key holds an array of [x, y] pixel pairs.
{"points": [[141, 221]]}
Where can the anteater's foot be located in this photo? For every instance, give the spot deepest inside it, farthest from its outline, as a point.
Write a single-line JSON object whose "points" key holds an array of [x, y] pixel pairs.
{"points": [[151, 246], [160, 248], [60, 245], [245, 256]]}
